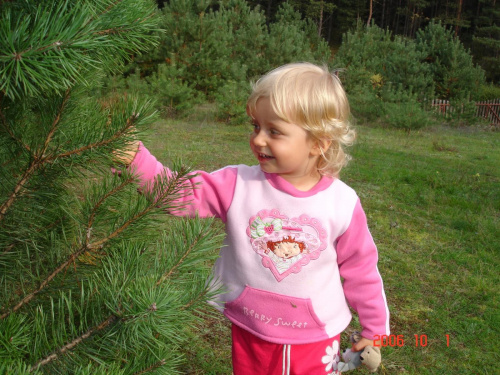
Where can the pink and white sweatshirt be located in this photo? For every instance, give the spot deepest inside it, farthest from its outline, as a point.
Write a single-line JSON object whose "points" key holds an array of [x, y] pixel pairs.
{"points": [[286, 252]]}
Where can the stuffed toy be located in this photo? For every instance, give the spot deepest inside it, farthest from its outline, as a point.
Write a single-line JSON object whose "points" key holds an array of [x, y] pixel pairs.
{"points": [[369, 356]]}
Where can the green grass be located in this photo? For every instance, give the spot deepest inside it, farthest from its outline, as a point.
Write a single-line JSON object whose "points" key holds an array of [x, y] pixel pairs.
{"points": [[433, 204]]}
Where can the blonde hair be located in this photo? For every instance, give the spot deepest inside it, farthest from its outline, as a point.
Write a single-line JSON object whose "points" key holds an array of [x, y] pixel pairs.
{"points": [[313, 98]]}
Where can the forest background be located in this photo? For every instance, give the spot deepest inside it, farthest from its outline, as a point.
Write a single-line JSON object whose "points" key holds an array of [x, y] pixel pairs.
{"points": [[95, 278], [391, 53]]}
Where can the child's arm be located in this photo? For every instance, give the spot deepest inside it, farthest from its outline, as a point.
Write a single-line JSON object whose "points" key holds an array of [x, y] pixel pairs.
{"points": [[210, 194], [127, 155], [363, 287]]}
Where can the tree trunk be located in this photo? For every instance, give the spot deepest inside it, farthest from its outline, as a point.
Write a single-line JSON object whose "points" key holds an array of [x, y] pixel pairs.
{"points": [[320, 25], [397, 17], [268, 13], [383, 15], [459, 15], [370, 14], [330, 26]]}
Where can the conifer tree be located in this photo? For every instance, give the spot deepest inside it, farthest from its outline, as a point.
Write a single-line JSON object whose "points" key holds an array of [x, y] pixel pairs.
{"points": [[486, 40], [90, 283], [450, 63]]}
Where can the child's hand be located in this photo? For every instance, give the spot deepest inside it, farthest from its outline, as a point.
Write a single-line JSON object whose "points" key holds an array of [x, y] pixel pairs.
{"points": [[126, 155], [361, 344]]}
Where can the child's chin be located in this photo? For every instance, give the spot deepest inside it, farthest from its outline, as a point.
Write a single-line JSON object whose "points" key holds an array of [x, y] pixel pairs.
{"points": [[266, 168]]}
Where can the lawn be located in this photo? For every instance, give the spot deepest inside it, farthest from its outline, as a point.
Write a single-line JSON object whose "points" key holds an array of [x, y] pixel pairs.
{"points": [[432, 199]]}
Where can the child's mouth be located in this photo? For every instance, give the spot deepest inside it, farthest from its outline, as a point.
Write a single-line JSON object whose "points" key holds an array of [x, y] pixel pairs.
{"points": [[264, 156]]}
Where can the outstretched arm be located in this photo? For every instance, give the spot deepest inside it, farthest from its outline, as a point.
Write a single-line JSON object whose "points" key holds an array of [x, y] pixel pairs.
{"points": [[210, 194], [126, 155]]}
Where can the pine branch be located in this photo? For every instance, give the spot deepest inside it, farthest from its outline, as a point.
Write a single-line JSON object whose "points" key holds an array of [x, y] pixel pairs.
{"points": [[199, 297], [109, 320], [44, 283], [83, 249], [11, 246], [184, 256], [153, 367], [129, 124], [97, 244], [35, 164], [111, 6], [169, 192], [55, 124], [119, 30], [41, 58], [18, 189], [100, 243], [99, 203], [39, 159], [9, 130], [105, 323], [111, 30]]}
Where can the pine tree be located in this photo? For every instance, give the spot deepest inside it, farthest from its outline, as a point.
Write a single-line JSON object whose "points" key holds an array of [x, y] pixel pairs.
{"points": [[486, 40], [450, 63], [90, 283]]}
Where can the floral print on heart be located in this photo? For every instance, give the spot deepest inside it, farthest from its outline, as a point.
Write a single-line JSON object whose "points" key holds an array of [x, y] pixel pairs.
{"points": [[285, 245]]}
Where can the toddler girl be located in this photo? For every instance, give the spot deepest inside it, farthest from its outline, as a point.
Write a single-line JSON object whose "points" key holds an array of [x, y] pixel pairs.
{"points": [[294, 230]]}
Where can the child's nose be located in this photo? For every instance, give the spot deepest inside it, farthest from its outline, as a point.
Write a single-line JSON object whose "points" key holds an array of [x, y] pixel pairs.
{"points": [[259, 139]]}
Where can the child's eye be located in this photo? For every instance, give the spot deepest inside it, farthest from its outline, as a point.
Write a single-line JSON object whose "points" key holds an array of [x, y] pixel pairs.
{"points": [[275, 132], [255, 126]]}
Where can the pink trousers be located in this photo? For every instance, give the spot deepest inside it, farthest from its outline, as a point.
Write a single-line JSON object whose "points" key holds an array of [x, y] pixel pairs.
{"points": [[254, 356]]}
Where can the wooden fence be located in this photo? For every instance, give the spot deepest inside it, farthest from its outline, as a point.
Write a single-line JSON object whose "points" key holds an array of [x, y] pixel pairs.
{"points": [[489, 110]]}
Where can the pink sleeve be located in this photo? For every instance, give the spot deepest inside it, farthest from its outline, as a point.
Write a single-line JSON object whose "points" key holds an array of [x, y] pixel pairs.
{"points": [[363, 287], [211, 194]]}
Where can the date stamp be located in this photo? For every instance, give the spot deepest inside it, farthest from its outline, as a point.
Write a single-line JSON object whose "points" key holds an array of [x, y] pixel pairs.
{"points": [[401, 340]]}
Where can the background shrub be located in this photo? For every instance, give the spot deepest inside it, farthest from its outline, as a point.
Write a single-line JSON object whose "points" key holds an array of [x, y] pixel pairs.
{"points": [[371, 51], [231, 101], [209, 52], [390, 78], [408, 115], [488, 92], [173, 93]]}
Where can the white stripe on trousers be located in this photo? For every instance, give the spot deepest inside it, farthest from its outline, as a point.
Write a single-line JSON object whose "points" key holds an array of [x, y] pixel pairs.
{"points": [[286, 360]]}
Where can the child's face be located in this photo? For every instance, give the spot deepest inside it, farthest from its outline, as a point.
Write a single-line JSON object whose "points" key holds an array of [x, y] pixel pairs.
{"points": [[286, 250], [283, 148]]}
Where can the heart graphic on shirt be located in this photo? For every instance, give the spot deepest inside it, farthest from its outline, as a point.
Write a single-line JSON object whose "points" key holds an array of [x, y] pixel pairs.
{"points": [[286, 245]]}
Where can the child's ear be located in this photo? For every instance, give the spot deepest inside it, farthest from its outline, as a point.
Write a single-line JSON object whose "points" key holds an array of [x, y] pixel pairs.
{"points": [[321, 146]]}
